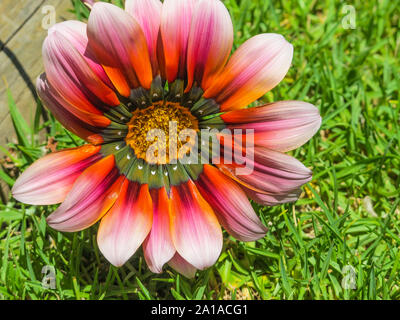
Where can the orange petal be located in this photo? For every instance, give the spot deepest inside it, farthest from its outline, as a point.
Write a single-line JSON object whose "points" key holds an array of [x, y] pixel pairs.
{"points": [[281, 126], [92, 195], [120, 45], [254, 69], [175, 27], [195, 230], [83, 124], [124, 228], [148, 14], [73, 78], [158, 247], [210, 42], [230, 204], [49, 179]]}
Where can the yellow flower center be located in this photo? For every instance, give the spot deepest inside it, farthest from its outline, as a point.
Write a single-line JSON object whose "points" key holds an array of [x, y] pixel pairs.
{"points": [[150, 130]]}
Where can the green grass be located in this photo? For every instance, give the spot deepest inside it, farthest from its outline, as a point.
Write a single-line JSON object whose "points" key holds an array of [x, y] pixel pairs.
{"points": [[347, 216]]}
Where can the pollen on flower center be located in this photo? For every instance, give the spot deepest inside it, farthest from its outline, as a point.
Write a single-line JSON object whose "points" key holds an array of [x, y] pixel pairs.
{"points": [[168, 117]]}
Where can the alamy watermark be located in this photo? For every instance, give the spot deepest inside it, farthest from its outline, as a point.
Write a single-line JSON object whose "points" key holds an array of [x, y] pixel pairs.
{"points": [[207, 146], [50, 17], [349, 278], [49, 277], [349, 20]]}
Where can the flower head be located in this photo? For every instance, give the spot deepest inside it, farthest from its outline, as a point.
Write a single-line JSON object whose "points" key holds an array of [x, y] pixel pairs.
{"points": [[142, 86]]}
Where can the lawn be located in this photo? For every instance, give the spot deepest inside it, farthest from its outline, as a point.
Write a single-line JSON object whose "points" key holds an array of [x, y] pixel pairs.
{"points": [[341, 240]]}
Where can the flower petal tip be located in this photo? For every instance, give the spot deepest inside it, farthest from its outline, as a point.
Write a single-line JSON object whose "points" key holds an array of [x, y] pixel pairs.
{"points": [[180, 265], [258, 66]]}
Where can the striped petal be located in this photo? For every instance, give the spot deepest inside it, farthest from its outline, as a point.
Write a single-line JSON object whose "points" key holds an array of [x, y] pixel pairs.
{"points": [[124, 228], [273, 172], [148, 14], [281, 126], [176, 20], [273, 199], [76, 33], [92, 195], [253, 70], [210, 42], [182, 266], [50, 178], [158, 247], [230, 204], [195, 230], [83, 124], [120, 46], [72, 77]]}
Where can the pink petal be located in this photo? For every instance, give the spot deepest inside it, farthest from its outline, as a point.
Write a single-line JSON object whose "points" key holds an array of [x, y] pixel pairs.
{"points": [[72, 77], [50, 178], [230, 204], [81, 123], [196, 233], [253, 70], [92, 195], [76, 33], [210, 42], [281, 126], [124, 228], [120, 45], [182, 266], [148, 14], [176, 20], [273, 199], [273, 172], [158, 247]]}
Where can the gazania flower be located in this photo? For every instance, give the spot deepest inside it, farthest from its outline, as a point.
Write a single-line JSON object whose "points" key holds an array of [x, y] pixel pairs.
{"points": [[127, 72]]}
